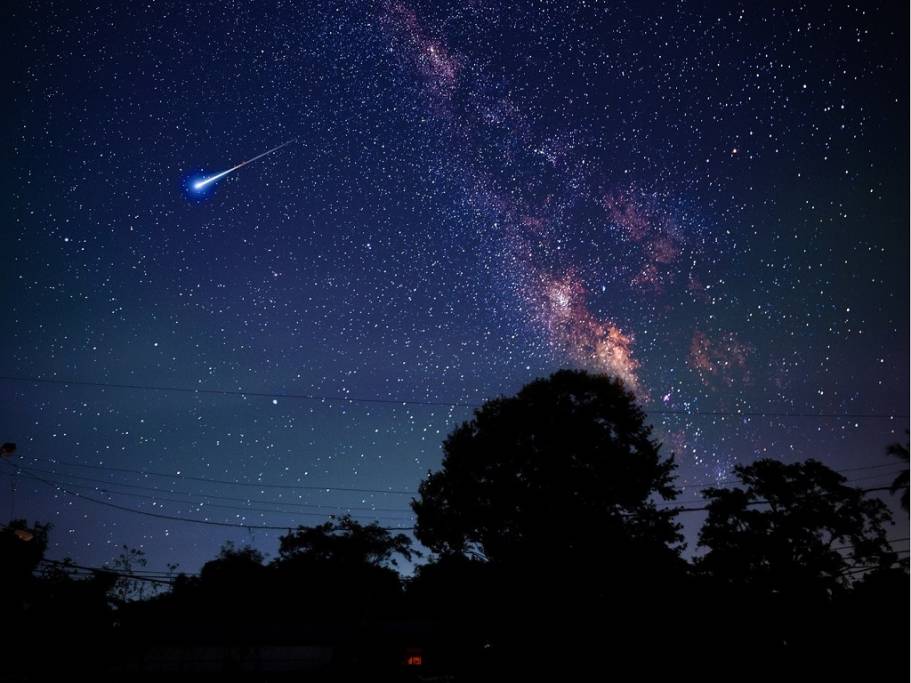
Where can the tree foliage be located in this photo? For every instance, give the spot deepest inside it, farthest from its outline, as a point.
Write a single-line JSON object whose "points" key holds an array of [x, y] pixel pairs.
{"points": [[347, 541], [792, 528], [900, 483], [22, 547], [233, 565], [128, 586], [565, 468]]}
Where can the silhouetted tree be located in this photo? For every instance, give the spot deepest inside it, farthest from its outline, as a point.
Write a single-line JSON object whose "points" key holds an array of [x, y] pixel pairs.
{"points": [[234, 570], [329, 572], [232, 588], [901, 481], [346, 541], [127, 586], [875, 623], [554, 490], [22, 548], [565, 469], [55, 622], [785, 548], [792, 529], [243, 556], [341, 569]]}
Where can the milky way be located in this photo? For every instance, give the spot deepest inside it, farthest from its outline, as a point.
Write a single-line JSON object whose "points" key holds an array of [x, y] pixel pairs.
{"points": [[709, 202]]}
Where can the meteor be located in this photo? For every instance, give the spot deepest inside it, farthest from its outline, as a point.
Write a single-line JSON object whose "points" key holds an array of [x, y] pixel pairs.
{"points": [[200, 184]]}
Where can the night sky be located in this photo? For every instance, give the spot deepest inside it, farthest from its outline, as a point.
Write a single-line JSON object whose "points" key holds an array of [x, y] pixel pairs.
{"points": [[709, 200]]}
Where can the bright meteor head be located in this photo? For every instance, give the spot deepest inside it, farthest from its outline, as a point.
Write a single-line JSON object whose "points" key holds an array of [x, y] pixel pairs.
{"points": [[198, 185]]}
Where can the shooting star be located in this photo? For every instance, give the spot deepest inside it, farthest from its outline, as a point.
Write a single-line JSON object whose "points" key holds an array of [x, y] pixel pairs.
{"points": [[200, 184]]}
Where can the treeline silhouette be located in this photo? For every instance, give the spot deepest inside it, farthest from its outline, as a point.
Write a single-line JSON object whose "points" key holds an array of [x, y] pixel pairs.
{"points": [[555, 555]]}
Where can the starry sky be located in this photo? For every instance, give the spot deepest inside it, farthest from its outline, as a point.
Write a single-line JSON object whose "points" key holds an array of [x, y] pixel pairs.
{"points": [[708, 200]]}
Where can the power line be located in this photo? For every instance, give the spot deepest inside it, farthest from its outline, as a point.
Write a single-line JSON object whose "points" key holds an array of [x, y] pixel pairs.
{"points": [[109, 491], [219, 506], [104, 570], [247, 527], [167, 578], [667, 505], [762, 502], [893, 463], [261, 485], [266, 527], [759, 413], [197, 494], [859, 570], [417, 402], [229, 482], [736, 481], [890, 541]]}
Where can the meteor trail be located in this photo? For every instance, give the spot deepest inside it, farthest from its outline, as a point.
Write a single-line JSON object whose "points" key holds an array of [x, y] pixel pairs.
{"points": [[199, 184]]}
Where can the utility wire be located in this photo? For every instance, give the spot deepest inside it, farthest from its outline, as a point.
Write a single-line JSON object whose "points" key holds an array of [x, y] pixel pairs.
{"points": [[169, 579], [104, 570], [253, 501], [267, 527], [218, 506], [248, 527], [197, 494], [262, 485], [733, 480], [737, 481], [764, 502], [859, 570], [417, 402], [890, 541], [259, 485]]}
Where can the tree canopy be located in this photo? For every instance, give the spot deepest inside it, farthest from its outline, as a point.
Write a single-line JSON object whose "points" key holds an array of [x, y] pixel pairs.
{"points": [[792, 528], [566, 468], [900, 483], [347, 541]]}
